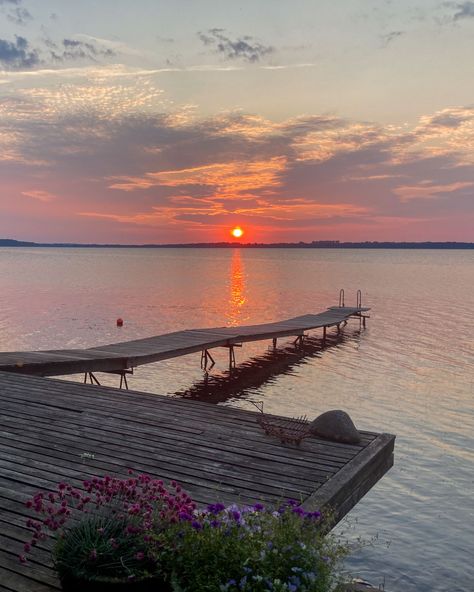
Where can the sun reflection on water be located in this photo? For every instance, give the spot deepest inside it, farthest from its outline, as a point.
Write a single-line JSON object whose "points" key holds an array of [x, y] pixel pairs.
{"points": [[238, 294]]}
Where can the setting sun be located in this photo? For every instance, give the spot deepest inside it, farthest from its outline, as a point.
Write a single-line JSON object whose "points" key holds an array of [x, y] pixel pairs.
{"points": [[237, 232]]}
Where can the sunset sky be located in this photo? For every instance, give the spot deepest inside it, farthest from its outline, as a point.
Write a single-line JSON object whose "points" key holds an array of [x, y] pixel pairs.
{"points": [[173, 121]]}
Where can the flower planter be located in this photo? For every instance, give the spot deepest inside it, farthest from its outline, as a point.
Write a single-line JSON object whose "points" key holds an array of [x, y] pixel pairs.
{"points": [[150, 584]]}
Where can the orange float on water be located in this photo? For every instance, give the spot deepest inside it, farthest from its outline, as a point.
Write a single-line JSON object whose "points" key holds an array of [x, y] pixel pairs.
{"points": [[119, 322]]}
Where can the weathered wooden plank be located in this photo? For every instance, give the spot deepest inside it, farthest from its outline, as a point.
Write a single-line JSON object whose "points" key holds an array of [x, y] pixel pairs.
{"points": [[112, 452], [222, 417], [217, 453], [121, 355], [350, 483], [194, 446], [332, 450], [12, 541], [25, 578], [31, 465], [205, 458], [22, 452]]}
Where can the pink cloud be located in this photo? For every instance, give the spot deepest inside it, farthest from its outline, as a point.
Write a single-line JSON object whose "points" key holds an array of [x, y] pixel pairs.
{"points": [[151, 177], [39, 195], [426, 190]]}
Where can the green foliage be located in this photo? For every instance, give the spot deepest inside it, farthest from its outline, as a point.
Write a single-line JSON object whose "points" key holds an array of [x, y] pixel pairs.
{"points": [[100, 547], [135, 532], [249, 550]]}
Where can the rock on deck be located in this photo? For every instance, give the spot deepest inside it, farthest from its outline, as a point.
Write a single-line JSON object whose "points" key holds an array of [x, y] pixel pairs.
{"points": [[216, 453]]}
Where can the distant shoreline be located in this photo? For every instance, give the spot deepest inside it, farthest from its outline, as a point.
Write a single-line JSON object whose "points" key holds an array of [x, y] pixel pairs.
{"points": [[226, 245]]}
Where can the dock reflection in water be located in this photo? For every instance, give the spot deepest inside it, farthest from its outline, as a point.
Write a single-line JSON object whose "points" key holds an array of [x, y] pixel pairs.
{"points": [[243, 381]]}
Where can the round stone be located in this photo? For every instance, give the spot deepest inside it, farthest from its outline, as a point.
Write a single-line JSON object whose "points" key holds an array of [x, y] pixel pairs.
{"points": [[335, 425]]}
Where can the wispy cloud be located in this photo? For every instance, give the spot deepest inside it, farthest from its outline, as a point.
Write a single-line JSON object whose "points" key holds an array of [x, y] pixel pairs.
{"points": [[225, 180], [40, 195], [463, 10], [76, 49], [19, 16], [16, 13], [125, 163], [20, 56], [245, 48], [427, 190], [390, 37]]}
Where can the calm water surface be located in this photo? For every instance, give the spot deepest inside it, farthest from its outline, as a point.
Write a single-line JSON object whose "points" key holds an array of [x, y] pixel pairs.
{"points": [[411, 372]]}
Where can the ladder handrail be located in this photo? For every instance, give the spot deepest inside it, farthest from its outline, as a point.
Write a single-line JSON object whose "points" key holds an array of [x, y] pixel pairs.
{"points": [[341, 298], [359, 299]]}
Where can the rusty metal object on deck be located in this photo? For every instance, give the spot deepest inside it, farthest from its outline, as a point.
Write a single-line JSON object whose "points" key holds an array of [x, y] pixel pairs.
{"points": [[289, 430]]}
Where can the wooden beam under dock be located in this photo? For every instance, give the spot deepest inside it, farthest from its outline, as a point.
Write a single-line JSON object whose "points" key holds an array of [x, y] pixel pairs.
{"points": [[121, 356]]}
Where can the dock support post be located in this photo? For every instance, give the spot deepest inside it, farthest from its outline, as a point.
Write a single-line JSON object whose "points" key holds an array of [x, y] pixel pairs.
{"points": [[92, 378], [274, 343], [205, 357], [230, 347], [231, 358], [298, 342], [232, 363], [123, 378], [324, 334]]}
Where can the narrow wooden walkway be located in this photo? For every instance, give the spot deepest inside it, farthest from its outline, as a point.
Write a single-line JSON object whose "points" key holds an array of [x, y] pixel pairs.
{"points": [[216, 453], [117, 357]]}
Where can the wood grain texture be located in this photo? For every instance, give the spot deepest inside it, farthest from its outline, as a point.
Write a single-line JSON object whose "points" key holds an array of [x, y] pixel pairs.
{"points": [[217, 453]]}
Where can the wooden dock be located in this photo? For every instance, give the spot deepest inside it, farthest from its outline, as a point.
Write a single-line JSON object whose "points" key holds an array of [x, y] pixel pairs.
{"points": [[54, 431], [121, 357]]}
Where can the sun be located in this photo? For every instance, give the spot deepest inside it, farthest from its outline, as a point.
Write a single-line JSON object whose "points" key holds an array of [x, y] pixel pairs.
{"points": [[237, 232]]}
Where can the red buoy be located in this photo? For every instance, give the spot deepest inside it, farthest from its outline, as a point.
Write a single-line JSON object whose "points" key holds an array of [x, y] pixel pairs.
{"points": [[119, 322]]}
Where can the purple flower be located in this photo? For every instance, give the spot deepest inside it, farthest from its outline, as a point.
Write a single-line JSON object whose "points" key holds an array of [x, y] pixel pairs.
{"points": [[298, 510], [215, 508], [196, 525]]}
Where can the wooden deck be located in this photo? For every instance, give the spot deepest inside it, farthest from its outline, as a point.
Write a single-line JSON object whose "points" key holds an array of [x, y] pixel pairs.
{"points": [[117, 357], [217, 453]]}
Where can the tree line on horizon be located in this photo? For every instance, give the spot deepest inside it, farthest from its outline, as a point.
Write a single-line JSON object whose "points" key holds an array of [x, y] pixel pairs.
{"points": [[323, 244]]}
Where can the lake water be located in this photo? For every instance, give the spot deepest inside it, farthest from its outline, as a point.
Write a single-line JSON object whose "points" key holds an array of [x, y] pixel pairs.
{"points": [[411, 372]]}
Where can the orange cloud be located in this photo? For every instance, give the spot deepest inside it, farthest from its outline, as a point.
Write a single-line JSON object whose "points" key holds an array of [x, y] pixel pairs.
{"points": [[323, 144], [228, 179]]}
